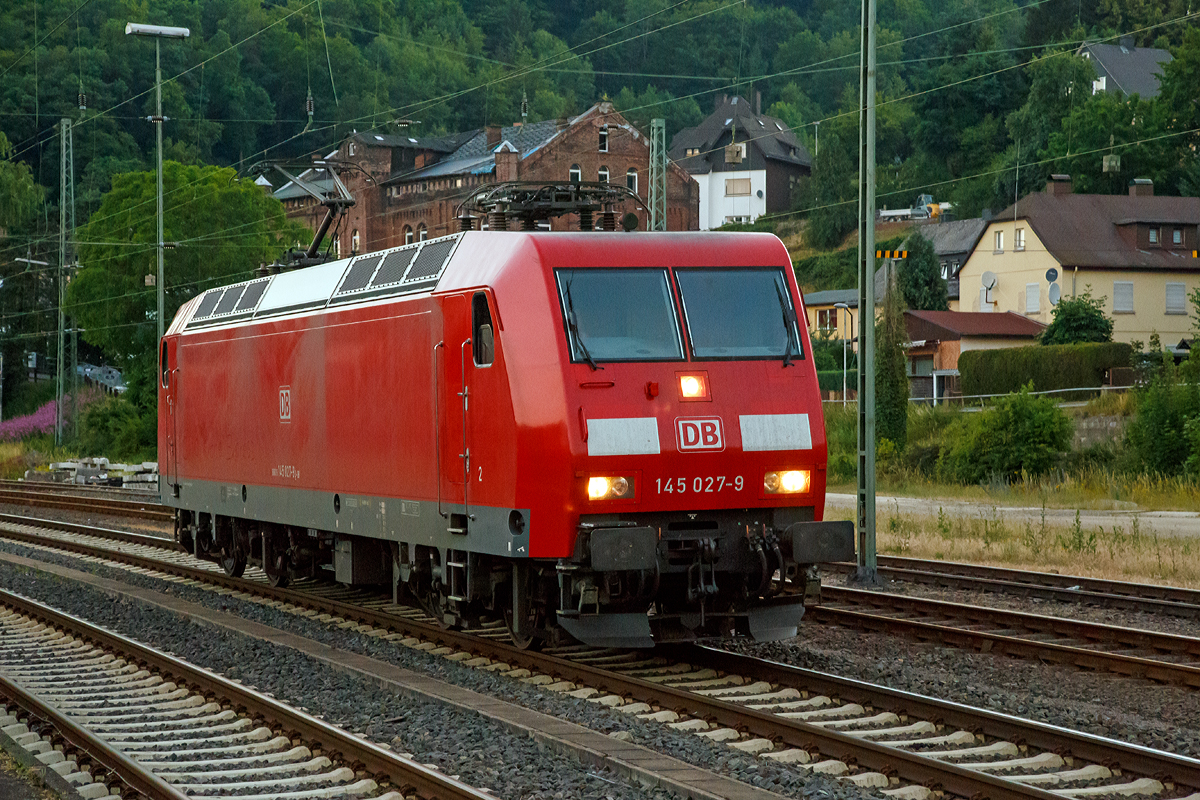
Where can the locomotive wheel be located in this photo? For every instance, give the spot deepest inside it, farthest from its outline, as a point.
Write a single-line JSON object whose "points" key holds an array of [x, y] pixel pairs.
{"points": [[529, 636], [234, 563], [276, 562]]}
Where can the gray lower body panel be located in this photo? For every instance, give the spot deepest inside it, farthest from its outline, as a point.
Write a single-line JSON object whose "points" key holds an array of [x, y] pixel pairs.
{"points": [[392, 519]]}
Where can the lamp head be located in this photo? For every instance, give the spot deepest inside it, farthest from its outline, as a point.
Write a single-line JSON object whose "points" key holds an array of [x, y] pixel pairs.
{"points": [[163, 31]]}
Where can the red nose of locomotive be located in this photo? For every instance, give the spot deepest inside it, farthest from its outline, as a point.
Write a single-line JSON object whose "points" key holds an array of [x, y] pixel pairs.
{"points": [[700, 469]]}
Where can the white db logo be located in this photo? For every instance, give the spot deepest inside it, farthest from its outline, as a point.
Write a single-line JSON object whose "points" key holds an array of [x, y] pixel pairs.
{"points": [[699, 433], [285, 404]]}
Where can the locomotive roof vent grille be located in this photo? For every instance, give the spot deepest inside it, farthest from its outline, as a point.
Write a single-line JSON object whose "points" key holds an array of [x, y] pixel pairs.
{"points": [[205, 309], [229, 301], [360, 274], [394, 267], [431, 260], [252, 295]]}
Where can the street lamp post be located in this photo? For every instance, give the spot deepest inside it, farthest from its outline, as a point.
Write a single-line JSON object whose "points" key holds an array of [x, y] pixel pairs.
{"points": [[849, 316], [158, 32]]}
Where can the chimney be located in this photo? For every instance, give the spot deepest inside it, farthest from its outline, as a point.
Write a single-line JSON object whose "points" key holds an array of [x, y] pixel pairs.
{"points": [[1126, 43], [493, 135], [1059, 184], [722, 99], [1141, 187], [758, 102], [507, 163]]}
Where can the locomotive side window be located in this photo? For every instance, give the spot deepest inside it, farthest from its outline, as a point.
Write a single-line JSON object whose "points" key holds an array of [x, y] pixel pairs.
{"points": [[166, 368], [739, 313], [483, 337], [619, 315]]}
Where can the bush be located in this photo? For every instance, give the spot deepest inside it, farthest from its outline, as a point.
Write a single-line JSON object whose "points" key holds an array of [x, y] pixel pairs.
{"points": [[118, 429], [1047, 367], [831, 380], [1021, 435], [1158, 437]]}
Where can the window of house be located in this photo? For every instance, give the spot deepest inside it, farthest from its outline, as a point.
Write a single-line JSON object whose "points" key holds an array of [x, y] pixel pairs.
{"points": [[1122, 297], [337, 246], [408, 234], [1019, 239], [999, 242], [693, 151], [354, 241], [603, 174], [603, 138], [575, 175], [1154, 236], [827, 320], [1177, 237], [351, 149], [1033, 297], [1176, 298], [945, 271], [631, 180], [920, 367], [737, 187], [422, 232]]}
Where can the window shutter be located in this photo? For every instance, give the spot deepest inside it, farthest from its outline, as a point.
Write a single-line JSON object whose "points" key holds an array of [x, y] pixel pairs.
{"points": [[1033, 296], [1176, 298], [1122, 297]]}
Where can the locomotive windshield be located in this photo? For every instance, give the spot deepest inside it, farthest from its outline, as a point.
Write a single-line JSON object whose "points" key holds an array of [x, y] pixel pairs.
{"points": [[739, 313], [619, 315]]}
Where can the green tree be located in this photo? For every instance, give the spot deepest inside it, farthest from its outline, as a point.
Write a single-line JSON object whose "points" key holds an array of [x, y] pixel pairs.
{"points": [[1078, 319], [891, 375], [1022, 434], [828, 197], [225, 228], [20, 196], [921, 277]]}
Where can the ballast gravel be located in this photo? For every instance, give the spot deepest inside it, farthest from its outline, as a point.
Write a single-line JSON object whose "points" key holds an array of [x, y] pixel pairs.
{"points": [[480, 752]]}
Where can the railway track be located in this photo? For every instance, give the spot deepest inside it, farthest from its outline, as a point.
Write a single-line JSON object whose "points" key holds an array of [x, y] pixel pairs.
{"points": [[1167, 600], [147, 509], [109, 714], [908, 746]]}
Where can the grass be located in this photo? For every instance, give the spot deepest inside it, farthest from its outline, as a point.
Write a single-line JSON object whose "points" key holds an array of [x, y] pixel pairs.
{"points": [[1124, 553]]}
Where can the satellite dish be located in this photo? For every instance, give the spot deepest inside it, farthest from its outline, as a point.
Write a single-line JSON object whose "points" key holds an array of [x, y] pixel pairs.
{"points": [[989, 280], [1055, 294]]}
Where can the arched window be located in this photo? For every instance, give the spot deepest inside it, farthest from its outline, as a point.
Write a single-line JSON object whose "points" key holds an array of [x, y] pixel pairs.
{"points": [[354, 242], [422, 233], [337, 246], [604, 174], [408, 234], [631, 180], [576, 174], [603, 138]]}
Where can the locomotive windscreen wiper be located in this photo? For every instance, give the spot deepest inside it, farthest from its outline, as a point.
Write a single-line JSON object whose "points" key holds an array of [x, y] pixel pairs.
{"points": [[573, 324], [789, 323]]}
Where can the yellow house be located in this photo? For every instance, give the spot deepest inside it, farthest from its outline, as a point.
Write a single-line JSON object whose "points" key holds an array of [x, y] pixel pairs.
{"points": [[1135, 251], [833, 313]]}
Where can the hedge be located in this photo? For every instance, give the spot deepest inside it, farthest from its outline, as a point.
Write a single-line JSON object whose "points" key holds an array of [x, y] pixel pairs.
{"points": [[1060, 366], [831, 380]]}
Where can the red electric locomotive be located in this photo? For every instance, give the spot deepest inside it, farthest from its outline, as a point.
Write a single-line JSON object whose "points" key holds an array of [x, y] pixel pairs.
{"points": [[615, 435]]}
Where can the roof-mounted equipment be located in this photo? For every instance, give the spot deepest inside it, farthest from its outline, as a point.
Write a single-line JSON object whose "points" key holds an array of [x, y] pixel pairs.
{"points": [[524, 204]]}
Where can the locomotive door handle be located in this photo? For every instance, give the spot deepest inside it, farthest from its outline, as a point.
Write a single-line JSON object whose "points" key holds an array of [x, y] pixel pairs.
{"points": [[437, 430], [465, 394]]}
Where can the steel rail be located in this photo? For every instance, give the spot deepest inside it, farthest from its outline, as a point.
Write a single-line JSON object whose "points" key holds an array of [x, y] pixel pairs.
{"points": [[118, 508], [1169, 600], [1164, 766], [91, 530], [128, 771], [907, 766], [360, 753], [1002, 639]]}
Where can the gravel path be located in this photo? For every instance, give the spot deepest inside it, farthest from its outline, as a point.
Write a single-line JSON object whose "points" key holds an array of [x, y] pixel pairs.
{"points": [[1132, 710], [455, 741]]}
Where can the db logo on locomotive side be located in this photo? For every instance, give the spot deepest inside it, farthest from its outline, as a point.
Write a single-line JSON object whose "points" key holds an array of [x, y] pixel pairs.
{"points": [[699, 433], [285, 404]]}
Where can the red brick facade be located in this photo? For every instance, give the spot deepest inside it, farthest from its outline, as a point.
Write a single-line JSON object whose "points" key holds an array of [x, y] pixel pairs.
{"points": [[417, 186]]}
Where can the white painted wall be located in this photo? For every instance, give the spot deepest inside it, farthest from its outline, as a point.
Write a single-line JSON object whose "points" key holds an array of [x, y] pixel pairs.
{"points": [[715, 207]]}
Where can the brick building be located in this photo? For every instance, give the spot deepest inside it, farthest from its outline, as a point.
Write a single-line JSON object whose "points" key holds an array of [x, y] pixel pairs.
{"points": [[415, 185]]}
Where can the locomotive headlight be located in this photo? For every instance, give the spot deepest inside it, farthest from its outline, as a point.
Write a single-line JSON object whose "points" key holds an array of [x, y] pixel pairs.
{"points": [[607, 488], [693, 385], [792, 481]]}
